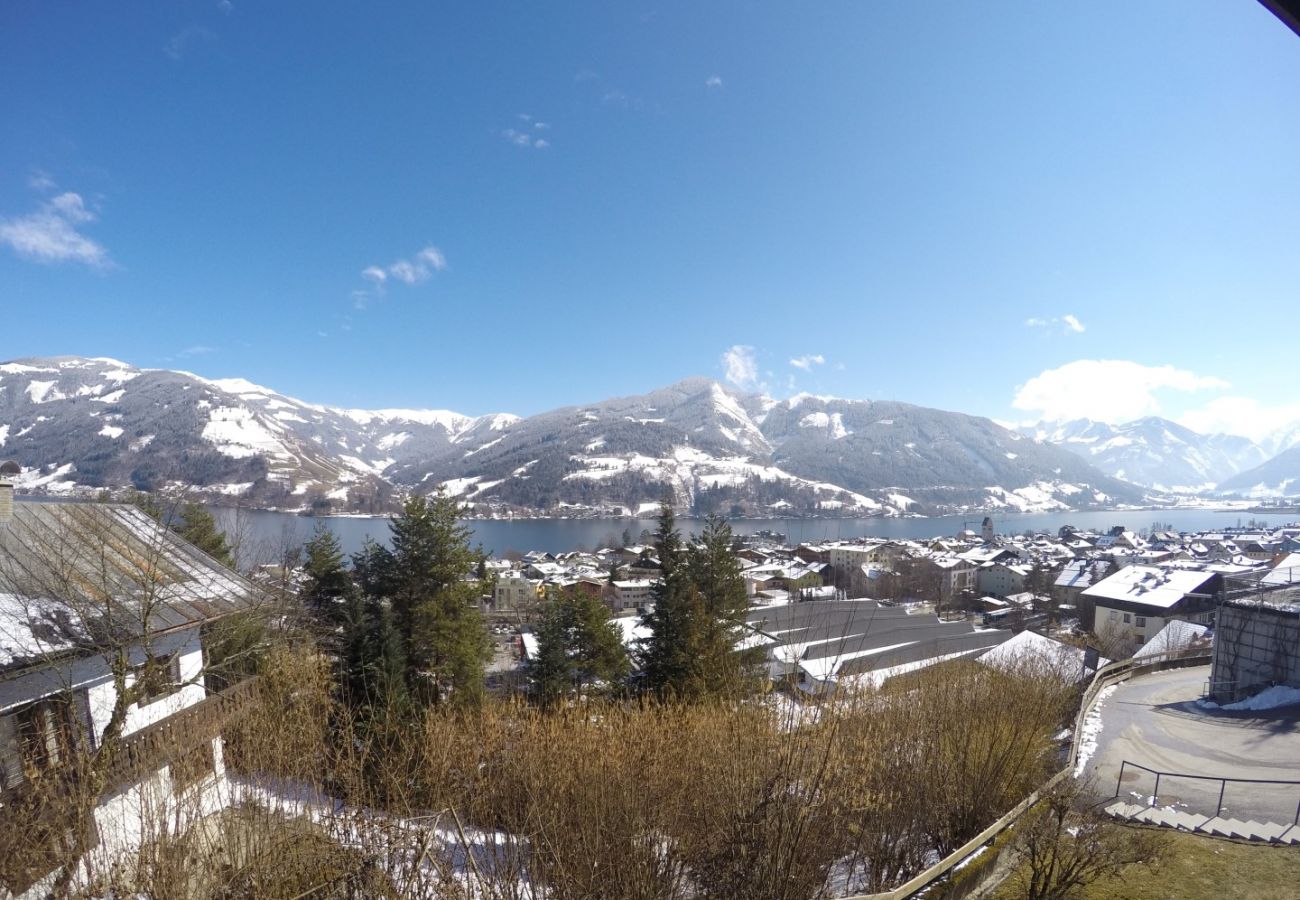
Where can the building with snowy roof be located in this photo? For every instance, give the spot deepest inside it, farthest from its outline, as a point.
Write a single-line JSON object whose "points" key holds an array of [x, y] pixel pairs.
{"points": [[1137, 601], [85, 587], [818, 646]]}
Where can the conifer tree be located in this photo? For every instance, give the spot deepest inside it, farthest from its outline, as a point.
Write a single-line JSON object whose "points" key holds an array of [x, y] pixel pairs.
{"points": [[578, 647], [667, 654], [719, 586], [433, 603], [328, 581]]}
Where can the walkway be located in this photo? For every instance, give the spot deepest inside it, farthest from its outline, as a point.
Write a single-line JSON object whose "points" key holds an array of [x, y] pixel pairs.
{"points": [[1153, 720]]}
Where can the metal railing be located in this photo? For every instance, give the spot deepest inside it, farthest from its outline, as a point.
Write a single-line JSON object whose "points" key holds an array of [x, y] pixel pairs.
{"points": [[1112, 673], [1222, 781]]}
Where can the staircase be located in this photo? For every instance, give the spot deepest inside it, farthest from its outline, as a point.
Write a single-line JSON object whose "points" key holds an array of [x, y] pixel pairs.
{"points": [[1215, 826]]}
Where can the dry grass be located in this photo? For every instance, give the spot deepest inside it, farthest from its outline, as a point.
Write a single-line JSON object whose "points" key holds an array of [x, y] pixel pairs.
{"points": [[1200, 868], [615, 801]]}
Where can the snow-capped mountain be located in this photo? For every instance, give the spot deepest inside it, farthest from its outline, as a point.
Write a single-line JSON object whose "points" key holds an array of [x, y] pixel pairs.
{"points": [[1155, 452], [1279, 477], [75, 423]]}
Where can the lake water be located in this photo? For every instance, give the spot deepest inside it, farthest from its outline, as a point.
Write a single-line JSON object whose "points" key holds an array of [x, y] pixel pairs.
{"points": [[260, 534]]}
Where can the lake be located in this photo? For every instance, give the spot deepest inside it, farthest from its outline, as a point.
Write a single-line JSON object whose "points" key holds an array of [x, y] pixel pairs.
{"points": [[260, 534]]}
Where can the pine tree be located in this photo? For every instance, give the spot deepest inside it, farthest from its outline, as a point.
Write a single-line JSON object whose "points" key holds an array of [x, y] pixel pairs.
{"points": [[433, 604], [190, 520], [198, 527], [328, 581], [667, 654], [719, 668], [578, 648]]}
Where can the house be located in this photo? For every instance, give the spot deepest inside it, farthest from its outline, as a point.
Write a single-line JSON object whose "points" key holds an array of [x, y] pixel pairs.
{"points": [[819, 646], [633, 594], [513, 591], [1136, 602], [1032, 653], [82, 585], [1000, 578], [1077, 576]]}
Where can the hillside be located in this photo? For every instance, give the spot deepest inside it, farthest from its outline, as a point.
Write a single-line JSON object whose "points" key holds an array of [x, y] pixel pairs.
{"points": [[78, 425]]}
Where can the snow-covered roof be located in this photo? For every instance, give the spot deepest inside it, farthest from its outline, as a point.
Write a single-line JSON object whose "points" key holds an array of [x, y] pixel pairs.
{"points": [[1150, 585], [74, 575], [1031, 650], [1176, 635]]}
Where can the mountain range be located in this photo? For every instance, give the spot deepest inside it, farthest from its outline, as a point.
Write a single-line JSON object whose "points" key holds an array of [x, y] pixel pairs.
{"points": [[1167, 457], [77, 425]]}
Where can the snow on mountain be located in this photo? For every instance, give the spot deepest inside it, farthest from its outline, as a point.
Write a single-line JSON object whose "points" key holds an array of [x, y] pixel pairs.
{"points": [[89, 424], [1155, 452], [1279, 477]]}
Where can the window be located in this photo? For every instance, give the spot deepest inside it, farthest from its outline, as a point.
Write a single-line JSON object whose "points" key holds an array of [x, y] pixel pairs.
{"points": [[1140, 622], [36, 738], [1127, 618], [160, 676]]}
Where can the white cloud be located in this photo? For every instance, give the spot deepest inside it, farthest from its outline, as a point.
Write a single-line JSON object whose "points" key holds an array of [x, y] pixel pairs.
{"points": [[1069, 323], [807, 362], [1107, 390], [713, 81], [408, 271], [50, 233], [197, 350], [741, 367], [225, 5], [40, 180], [1241, 415], [525, 138], [180, 42]]}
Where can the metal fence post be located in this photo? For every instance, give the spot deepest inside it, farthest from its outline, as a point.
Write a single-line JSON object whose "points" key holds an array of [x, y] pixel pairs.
{"points": [[1223, 786], [1155, 795], [1120, 779]]}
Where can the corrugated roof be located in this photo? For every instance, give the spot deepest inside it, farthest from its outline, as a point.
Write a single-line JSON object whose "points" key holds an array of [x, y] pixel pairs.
{"points": [[74, 576]]}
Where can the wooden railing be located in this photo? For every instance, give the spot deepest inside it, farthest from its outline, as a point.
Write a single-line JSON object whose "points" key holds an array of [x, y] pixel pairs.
{"points": [[150, 748], [931, 880]]}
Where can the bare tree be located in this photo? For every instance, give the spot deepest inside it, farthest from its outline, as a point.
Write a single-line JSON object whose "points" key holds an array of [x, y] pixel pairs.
{"points": [[101, 615], [1065, 846]]}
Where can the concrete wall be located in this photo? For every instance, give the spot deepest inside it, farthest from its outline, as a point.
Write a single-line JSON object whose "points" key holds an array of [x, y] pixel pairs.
{"points": [[1254, 647]]}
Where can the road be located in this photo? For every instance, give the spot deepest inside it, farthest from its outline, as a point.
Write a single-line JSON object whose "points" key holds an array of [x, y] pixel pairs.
{"points": [[1153, 720]]}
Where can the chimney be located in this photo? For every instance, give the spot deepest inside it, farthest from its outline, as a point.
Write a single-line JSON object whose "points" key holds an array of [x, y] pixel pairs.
{"points": [[7, 471]]}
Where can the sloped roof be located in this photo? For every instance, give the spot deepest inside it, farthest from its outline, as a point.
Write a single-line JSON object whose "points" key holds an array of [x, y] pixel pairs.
{"points": [[76, 575], [1150, 585]]}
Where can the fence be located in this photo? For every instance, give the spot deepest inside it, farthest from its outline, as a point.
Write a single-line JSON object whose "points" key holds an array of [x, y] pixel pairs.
{"points": [[1154, 798], [931, 880]]}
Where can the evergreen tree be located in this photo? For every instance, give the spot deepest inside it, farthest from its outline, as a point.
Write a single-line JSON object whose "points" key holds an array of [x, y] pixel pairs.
{"points": [[721, 603], [328, 581], [434, 605], [197, 526], [190, 520], [667, 654], [578, 647]]}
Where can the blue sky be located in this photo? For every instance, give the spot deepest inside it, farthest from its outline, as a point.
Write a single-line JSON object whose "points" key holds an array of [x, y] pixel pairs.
{"points": [[1011, 209]]}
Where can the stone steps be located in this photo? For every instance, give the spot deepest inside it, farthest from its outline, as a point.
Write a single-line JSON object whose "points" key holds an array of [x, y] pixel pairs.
{"points": [[1219, 826]]}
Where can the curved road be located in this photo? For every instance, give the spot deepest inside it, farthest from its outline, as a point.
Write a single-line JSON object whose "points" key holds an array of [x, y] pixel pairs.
{"points": [[1153, 720]]}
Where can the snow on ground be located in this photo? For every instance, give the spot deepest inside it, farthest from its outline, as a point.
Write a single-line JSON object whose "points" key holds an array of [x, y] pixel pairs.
{"points": [[114, 397], [1090, 733], [110, 431], [238, 433], [1271, 698], [4, 434], [54, 483], [456, 486], [44, 391]]}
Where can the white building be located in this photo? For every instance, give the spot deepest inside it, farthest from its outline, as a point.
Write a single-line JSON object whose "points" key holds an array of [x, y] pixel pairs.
{"points": [[1138, 601], [83, 585]]}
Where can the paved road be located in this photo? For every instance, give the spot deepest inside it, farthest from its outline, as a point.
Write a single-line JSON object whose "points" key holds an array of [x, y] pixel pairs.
{"points": [[1153, 720]]}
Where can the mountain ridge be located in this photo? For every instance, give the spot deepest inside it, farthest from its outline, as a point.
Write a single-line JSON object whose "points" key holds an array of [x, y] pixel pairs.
{"points": [[78, 424]]}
